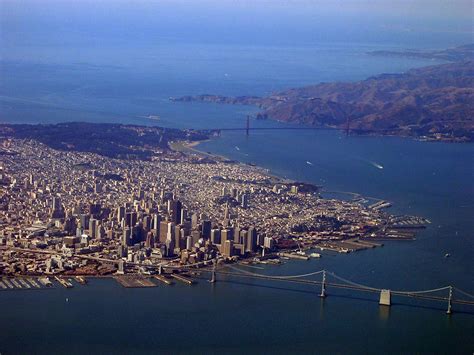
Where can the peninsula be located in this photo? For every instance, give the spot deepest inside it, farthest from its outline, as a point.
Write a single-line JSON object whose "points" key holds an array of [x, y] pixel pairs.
{"points": [[68, 209]]}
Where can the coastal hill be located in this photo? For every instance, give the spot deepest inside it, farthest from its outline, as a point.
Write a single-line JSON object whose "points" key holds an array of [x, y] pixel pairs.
{"points": [[435, 102]]}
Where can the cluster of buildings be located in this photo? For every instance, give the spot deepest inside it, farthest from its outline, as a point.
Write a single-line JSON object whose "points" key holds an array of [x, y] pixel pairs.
{"points": [[66, 211]]}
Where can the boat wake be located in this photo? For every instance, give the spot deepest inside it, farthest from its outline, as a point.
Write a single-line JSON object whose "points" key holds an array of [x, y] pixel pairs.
{"points": [[378, 166]]}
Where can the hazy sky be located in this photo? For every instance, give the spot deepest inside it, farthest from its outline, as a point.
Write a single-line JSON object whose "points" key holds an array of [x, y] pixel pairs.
{"points": [[231, 20]]}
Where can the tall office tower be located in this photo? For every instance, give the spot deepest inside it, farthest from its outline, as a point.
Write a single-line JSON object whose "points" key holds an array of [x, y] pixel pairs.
{"points": [[92, 228], [206, 229], [194, 221], [120, 214], [182, 239], [252, 240], [150, 240], [147, 223], [70, 225], [244, 200], [227, 248], [170, 231], [31, 179], [57, 211], [131, 219], [243, 237], [268, 242], [215, 236], [169, 247], [163, 231], [176, 212], [136, 234], [226, 234], [189, 242], [156, 222], [236, 234], [226, 212], [85, 221], [57, 204], [177, 235], [184, 216], [100, 233], [196, 236], [126, 237]]}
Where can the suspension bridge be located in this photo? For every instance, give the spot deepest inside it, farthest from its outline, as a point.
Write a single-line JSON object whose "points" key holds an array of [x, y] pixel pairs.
{"points": [[347, 128], [326, 279]]}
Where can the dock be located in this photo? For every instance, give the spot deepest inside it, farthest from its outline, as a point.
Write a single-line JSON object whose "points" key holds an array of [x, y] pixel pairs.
{"points": [[64, 282], [163, 279], [294, 256], [134, 281], [182, 279]]}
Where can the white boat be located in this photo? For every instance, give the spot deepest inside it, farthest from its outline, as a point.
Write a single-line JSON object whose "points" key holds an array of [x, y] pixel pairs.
{"points": [[315, 255]]}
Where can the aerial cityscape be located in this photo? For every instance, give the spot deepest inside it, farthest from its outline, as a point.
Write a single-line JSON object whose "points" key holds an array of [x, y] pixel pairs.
{"points": [[69, 212], [228, 177]]}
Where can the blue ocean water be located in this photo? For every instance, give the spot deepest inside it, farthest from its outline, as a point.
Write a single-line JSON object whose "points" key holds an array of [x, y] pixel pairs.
{"points": [[127, 83]]}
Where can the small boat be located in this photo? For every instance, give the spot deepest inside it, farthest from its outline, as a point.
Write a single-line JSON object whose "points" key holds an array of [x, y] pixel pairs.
{"points": [[447, 255], [308, 162], [315, 255]]}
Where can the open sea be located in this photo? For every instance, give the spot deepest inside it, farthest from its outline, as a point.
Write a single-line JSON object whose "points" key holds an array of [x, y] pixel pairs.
{"points": [[126, 84]]}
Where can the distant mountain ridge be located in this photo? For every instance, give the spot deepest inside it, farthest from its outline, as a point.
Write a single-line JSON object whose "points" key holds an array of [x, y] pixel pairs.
{"points": [[435, 102]]}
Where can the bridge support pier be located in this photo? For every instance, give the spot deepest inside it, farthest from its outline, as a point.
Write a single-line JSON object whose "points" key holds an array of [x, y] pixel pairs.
{"points": [[450, 297], [323, 286], [385, 298]]}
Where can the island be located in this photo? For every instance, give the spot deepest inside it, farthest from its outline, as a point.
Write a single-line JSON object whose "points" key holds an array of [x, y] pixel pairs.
{"points": [[432, 103], [70, 207]]}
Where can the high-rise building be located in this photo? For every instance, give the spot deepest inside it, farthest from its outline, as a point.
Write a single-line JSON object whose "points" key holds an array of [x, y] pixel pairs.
{"points": [[251, 240], [93, 228], [57, 210], [176, 212], [194, 221], [206, 229], [163, 231], [215, 236], [184, 216], [227, 248], [120, 214]]}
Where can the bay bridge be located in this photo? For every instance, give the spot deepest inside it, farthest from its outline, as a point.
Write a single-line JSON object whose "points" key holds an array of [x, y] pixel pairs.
{"points": [[326, 279], [322, 280]]}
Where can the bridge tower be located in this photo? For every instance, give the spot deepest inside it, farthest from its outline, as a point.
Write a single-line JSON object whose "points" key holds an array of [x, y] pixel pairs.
{"points": [[323, 285], [450, 297], [160, 269], [213, 274], [348, 125], [247, 129]]}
